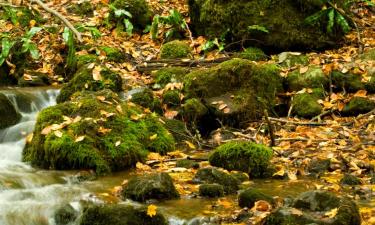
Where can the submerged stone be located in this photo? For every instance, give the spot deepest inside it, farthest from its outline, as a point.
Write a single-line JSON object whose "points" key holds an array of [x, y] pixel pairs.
{"points": [[65, 215], [215, 176], [8, 113], [248, 197], [174, 50], [211, 190], [152, 186], [186, 163], [349, 179]]}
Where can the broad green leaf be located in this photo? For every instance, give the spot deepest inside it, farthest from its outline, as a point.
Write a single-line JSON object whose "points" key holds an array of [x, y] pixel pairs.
{"points": [[122, 12], [6, 46], [258, 28], [342, 22], [316, 17], [129, 27], [154, 30], [34, 52], [331, 20], [32, 32]]}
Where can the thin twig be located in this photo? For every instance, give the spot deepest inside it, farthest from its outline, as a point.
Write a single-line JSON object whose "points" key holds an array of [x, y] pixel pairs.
{"points": [[61, 17], [270, 128], [297, 123], [319, 117], [191, 37]]}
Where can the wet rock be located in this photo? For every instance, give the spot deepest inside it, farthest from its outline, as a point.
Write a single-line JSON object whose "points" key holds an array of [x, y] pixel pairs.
{"points": [[214, 176], [309, 207], [139, 9], [8, 113], [119, 215], [65, 215], [233, 18], [319, 166], [174, 50], [314, 77], [211, 190], [95, 131], [243, 156], [241, 177], [186, 163], [151, 186], [358, 105], [290, 59], [248, 197], [84, 176], [349, 179]]}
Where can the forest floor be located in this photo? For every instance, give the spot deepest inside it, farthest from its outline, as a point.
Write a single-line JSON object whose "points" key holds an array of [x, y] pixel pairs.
{"points": [[348, 142]]}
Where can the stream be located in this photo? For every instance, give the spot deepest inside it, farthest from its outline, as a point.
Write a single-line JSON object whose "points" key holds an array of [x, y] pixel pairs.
{"points": [[30, 196]]}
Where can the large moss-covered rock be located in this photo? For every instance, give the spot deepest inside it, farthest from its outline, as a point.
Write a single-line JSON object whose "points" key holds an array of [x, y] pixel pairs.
{"points": [[306, 105], [242, 87], [95, 131], [119, 215], [309, 206], [290, 59], [151, 186], [8, 113], [170, 74], [284, 19], [145, 97], [358, 105], [83, 80], [347, 81], [314, 77], [243, 156], [214, 176], [211, 190], [112, 54], [370, 85], [139, 9], [174, 50], [172, 98], [248, 197]]}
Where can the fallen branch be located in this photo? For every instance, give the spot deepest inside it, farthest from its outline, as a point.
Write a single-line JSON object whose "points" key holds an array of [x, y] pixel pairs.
{"points": [[319, 117], [296, 122], [61, 17]]}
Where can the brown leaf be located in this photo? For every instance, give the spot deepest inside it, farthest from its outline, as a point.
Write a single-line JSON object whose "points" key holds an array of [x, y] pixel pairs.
{"points": [[96, 73], [303, 70], [360, 93]]}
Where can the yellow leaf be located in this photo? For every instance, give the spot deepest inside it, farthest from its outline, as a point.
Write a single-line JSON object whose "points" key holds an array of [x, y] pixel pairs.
{"points": [[153, 137], [32, 23], [79, 139], [191, 145], [331, 213], [58, 133], [96, 73], [303, 69], [360, 93], [151, 210]]}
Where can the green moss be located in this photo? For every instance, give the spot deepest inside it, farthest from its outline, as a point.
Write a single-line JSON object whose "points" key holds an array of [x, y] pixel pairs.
{"points": [[65, 215], [211, 190], [21, 15], [253, 54], [179, 130], [215, 176], [240, 176], [370, 85], [169, 75], [119, 215], [358, 105], [306, 105], [139, 9], [8, 113], [248, 157], [193, 109], [288, 59], [171, 98], [151, 186], [82, 8], [85, 59], [146, 99], [113, 139], [368, 55], [174, 50], [313, 78], [348, 82], [349, 179], [83, 81], [186, 163], [112, 54], [248, 198]]}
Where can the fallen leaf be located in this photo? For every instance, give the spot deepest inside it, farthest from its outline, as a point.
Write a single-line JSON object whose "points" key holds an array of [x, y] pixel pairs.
{"points": [[262, 206], [153, 137], [191, 145], [58, 133], [79, 139], [151, 210], [360, 93], [303, 70], [96, 73], [332, 213]]}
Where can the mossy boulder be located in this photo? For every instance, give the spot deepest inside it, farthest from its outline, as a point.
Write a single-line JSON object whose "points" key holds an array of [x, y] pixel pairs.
{"points": [[175, 49], [151, 186], [319, 166], [83, 8], [243, 156], [193, 109], [146, 98], [235, 90], [212, 175], [172, 98], [211, 190], [119, 215], [311, 205], [83, 80], [358, 105], [290, 59], [8, 113], [216, 18], [186, 163], [95, 131], [248, 197], [86, 59], [65, 215], [370, 85], [349, 179], [112, 54], [139, 9], [169, 75], [347, 81], [253, 54], [306, 105], [314, 77]]}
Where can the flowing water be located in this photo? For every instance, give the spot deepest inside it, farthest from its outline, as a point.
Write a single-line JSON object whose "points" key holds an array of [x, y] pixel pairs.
{"points": [[30, 196]]}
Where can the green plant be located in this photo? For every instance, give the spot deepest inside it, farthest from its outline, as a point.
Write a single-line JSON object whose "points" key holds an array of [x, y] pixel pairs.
{"points": [[95, 33], [27, 45], [175, 23], [210, 44], [69, 40], [125, 16]]}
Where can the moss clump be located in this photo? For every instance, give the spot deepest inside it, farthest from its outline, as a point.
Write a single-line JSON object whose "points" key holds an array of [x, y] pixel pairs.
{"points": [[215, 176], [368, 55], [146, 99], [193, 109], [290, 59], [245, 87], [240, 176], [119, 215], [211, 190], [349, 179], [151, 186], [8, 113], [186, 163], [174, 50], [171, 98], [86, 59], [313, 78], [179, 130], [169, 75], [306, 105], [96, 135], [112, 54], [248, 198], [370, 85], [358, 105], [348, 82], [83, 81], [82, 8], [253, 54], [21, 15], [139, 9], [243, 156]]}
